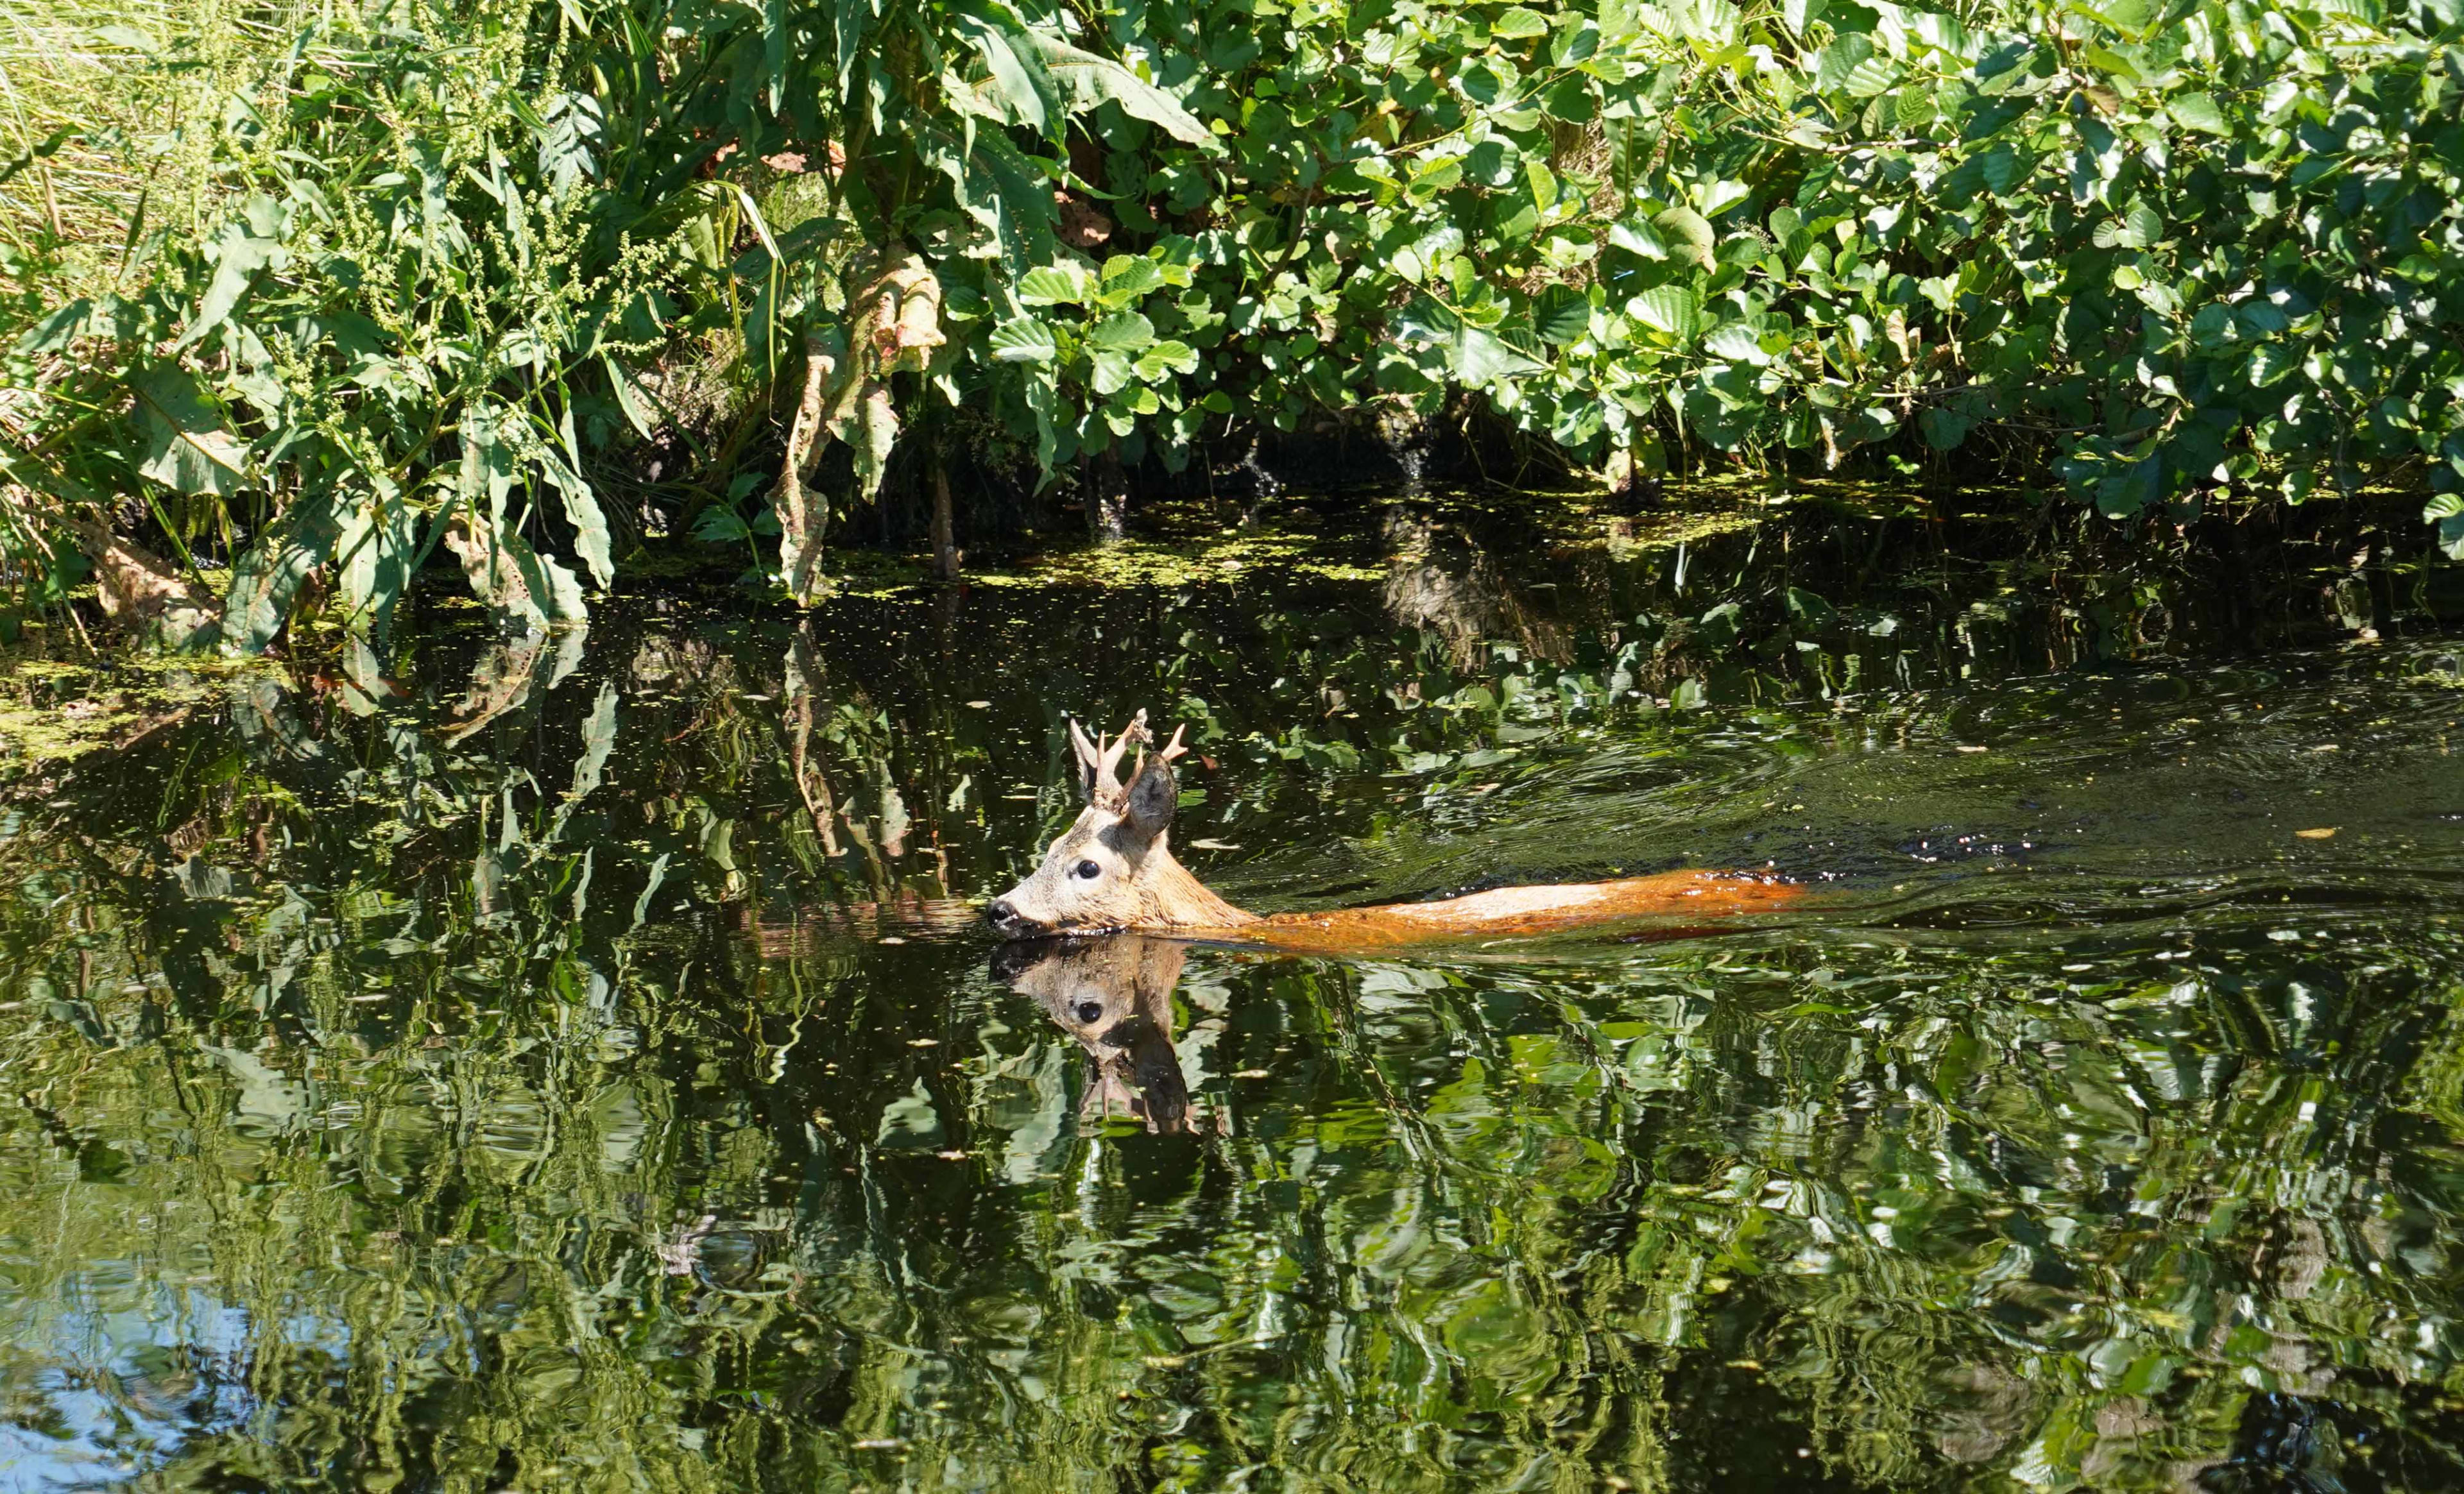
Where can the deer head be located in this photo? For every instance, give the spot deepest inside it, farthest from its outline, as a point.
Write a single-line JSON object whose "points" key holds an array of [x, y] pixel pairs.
{"points": [[1113, 996], [1112, 869]]}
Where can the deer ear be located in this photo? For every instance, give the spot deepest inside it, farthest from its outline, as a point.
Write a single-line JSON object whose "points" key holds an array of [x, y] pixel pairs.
{"points": [[1153, 799]]}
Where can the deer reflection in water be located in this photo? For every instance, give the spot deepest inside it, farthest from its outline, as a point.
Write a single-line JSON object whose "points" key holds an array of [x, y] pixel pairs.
{"points": [[1114, 996]]}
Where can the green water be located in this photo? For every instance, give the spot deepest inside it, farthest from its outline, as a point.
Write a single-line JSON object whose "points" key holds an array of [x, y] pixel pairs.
{"points": [[578, 1066]]}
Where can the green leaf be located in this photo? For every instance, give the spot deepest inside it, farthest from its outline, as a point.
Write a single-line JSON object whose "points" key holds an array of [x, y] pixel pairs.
{"points": [[1516, 23], [263, 582], [1688, 236], [1064, 284], [1944, 430], [1736, 342], [1025, 340], [1543, 183], [720, 525], [1561, 315], [244, 247], [1835, 61], [2005, 167], [581, 510], [1474, 356], [1870, 79], [1667, 308], [1166, 358], [2270, 362], [1124, 332], [1810, 608], [1637, 237], [630, 398], [1128, 278], [2198, 112], [64, 326], [1094, 79], [1018, 73], [375, 555], [187, 447], [2144, 227]]}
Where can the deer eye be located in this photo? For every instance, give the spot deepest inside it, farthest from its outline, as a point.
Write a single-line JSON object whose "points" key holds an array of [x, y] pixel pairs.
{"points": [[1087, 871]]}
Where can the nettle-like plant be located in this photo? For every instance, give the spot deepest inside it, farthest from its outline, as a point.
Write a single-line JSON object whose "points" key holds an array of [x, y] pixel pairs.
{"points": [[2160, 246], [383, 347]]}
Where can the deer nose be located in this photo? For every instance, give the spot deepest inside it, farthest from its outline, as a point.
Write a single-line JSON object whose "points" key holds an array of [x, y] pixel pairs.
{"points": [[999, 913]]}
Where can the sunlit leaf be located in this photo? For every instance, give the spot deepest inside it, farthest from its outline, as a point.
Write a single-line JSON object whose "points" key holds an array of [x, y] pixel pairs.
{"points": [[188, 446]]}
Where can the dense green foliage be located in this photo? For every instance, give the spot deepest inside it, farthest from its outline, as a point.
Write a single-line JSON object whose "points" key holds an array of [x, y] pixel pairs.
{"points": [[439, 264]]}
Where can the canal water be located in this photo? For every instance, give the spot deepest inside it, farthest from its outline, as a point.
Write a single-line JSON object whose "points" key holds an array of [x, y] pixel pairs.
{"points": [[483, 1064]]}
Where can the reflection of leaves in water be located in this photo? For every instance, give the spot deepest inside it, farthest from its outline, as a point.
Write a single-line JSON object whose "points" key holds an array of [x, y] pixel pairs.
{"points": [[911, 1121], [2096, 1166]]}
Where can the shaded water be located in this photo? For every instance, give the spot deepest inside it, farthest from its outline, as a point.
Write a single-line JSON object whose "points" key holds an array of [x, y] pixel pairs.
{"points": [[492, 1066]]}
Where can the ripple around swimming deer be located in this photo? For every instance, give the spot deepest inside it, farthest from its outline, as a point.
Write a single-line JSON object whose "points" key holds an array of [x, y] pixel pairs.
{"points": [[1113, 869]]}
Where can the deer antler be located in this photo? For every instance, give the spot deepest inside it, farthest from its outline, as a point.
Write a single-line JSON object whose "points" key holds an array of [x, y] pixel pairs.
{"points": [[1099, 762]]}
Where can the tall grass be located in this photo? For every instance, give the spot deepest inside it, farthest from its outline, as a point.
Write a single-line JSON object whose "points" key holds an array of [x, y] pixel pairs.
{"points": [[101, 108]]}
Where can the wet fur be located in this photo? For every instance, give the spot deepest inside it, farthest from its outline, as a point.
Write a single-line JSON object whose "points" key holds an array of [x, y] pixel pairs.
{"points": [[1124, 835]]}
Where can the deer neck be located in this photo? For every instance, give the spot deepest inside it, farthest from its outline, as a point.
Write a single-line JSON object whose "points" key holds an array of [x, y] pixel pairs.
{"points": [[1174, 899]]}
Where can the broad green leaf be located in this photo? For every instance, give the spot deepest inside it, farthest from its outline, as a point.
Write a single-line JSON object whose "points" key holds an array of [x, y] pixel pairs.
{"points": [[1719, 196], [1094, 79], [1025, 340], [630, 398], [1561, 315], [1689, 234], [62, 327], [1736, 342], [1123, 332], [2005, 167], [1832, 65], [1018, 73], [1517, 23], [1543, 183], [1474, 356], [243, 248], [1667, 308], [2270, 362], [375, 555], [1870, 79], [581, 509], [720, 525], [1064, 284], [1127, 277], [2145, 226], [2198, 112], [267, 578], [186, 447], [1944, 430], [1637, 237], [1167, 357]]}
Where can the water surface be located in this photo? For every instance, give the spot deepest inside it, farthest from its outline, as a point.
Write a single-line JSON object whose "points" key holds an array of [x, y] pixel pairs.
{"points": [[495, 1064]]}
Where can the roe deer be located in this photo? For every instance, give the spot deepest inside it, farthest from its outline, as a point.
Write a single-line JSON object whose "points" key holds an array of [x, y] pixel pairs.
{"points": [[1114, 870]]}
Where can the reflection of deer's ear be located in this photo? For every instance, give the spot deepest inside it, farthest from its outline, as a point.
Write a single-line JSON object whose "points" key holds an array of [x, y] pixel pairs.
{"points": [[1153, 799]]}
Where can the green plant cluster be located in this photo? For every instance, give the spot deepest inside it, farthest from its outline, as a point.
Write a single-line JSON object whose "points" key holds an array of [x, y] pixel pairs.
{"points": [[455, 254]]}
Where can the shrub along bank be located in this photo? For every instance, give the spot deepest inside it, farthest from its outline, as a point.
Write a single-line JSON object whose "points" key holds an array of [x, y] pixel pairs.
{"points": [[488, 277]]}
